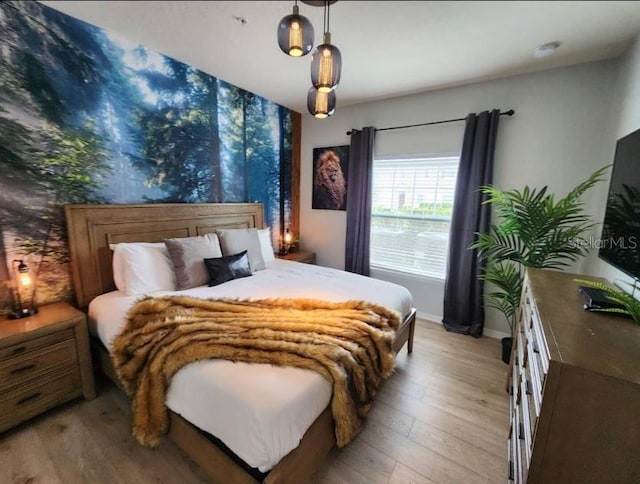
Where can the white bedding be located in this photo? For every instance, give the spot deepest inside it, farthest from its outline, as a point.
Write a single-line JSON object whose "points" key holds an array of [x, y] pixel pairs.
{"points": [[259, 411]]}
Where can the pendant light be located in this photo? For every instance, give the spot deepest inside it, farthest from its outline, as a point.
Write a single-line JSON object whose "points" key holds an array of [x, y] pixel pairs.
{"points": [[320, 103], [295, 34], [326, 62]]}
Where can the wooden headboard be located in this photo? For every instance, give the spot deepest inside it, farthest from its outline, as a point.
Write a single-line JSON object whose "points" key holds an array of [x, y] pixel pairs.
{"points": [[93, 227]]}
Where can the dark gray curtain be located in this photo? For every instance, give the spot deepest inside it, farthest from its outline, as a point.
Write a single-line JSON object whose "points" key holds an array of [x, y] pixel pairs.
{"points": [[463, 291], [356, 258]]}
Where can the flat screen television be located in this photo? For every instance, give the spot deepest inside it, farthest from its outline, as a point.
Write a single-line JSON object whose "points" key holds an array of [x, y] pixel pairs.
{"points": [[620, 243]]}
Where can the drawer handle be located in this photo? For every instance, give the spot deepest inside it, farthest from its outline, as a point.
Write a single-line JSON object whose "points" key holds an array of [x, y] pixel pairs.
{"points": [[528, 389], [28, 398], [521, 431], [23, 368], [18, 350]]}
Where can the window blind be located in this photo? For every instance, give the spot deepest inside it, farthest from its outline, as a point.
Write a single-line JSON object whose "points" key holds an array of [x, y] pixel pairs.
{"points": [[412, 200]]}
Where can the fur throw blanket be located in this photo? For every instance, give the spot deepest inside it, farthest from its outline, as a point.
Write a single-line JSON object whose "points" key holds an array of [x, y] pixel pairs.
{"points": [[348, 343]]}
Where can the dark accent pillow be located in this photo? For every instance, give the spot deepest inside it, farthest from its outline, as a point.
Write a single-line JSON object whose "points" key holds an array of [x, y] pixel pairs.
{"points": [[227, 268]]}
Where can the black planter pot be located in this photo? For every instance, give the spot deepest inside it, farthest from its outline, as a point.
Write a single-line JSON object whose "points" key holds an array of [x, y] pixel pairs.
{"points": [[506, 349]]}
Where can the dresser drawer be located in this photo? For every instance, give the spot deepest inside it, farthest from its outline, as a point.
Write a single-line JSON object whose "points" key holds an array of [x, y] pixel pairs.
{"points": [[525, 420], [533, 374], [20, 369], [529, 401], [40, 395], [521, 342], [35, 343], [540, 342], [517, 448], [512, 457], [515, 382]]}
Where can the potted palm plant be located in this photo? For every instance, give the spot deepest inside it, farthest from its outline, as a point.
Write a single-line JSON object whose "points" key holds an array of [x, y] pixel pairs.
{"points": [[534, 230]]}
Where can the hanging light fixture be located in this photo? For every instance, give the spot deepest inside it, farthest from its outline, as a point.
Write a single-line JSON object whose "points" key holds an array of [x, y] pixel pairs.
{"points": [[295, 34], [295, 38], [326, 62], [320, 103]]}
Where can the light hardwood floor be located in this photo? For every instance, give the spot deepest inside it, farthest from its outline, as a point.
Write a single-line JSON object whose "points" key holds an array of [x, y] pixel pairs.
{"points": [[441, 418]]}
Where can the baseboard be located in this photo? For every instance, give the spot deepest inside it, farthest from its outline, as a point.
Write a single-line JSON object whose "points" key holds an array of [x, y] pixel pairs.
{"points": [[491, 333], [429, 317]]}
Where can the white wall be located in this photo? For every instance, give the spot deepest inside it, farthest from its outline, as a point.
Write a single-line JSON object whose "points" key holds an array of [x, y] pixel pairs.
{"points": [[625, 118], [559, 135]]}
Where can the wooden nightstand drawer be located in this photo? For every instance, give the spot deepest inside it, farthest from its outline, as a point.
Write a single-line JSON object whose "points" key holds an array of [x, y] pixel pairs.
{"points": [[32, 344], [20, 369], [32, 399]]}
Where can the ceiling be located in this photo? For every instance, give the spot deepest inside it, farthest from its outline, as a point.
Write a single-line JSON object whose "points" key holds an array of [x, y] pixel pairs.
{"points": [[389, 48]]}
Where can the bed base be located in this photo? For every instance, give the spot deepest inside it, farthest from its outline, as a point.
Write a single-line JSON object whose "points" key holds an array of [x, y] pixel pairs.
{"points": [[297, 466]]}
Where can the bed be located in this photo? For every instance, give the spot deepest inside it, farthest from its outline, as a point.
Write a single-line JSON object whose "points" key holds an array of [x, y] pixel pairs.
{"points": [[94, 228]]}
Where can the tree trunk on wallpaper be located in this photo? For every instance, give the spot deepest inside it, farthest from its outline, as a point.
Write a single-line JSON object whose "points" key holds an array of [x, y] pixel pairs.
{"points": [[245, 164], [463, 292], [285, 169], [216, 186], [5, 276]]}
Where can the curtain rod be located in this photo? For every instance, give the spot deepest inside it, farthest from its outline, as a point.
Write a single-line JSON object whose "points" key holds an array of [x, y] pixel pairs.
{"points": [[511, 112]]}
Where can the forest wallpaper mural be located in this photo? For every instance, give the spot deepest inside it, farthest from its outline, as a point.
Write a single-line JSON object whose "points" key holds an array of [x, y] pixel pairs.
{"points": [[87, 117]]}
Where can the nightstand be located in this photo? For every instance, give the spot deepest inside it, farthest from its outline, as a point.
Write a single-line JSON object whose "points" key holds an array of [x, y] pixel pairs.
{"points": [[44, 362], [304, 256]]}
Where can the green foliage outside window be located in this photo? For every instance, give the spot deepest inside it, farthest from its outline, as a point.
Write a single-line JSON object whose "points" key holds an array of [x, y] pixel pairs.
{"points": [[424, 209]]}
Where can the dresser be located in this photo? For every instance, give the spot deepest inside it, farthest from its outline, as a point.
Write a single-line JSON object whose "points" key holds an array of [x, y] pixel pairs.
{"points": [[44, 362], [574, 382]]}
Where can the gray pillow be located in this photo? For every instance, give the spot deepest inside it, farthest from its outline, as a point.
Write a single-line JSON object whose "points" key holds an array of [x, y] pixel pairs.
{"points": [[234, 241], [188, 256]]}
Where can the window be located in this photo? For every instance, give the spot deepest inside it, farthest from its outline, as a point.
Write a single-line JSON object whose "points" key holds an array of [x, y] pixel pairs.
{"points": [[412, 200]]}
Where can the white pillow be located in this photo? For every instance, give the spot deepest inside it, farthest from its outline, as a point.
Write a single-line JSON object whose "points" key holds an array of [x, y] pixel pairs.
{"points": [[264, 236], [118, 267], [143, 267], [234, 241]]}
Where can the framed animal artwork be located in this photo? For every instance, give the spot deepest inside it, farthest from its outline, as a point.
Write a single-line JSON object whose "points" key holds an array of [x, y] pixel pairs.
{"points": [[330, 174]]}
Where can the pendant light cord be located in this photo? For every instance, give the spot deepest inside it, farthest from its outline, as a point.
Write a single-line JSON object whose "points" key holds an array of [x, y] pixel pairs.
{"points": [[328, 11], [325, 24]]}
